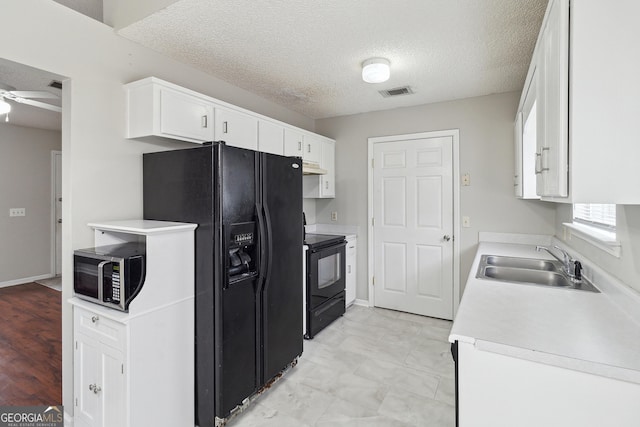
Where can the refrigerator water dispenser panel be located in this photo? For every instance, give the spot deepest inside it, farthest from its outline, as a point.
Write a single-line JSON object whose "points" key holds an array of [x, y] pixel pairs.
{"points": [[242, 251]]}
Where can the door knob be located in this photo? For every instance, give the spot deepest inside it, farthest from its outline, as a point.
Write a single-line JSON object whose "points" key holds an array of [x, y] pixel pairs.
{"points": [[60, 221], [95, 388], [446, 237]]}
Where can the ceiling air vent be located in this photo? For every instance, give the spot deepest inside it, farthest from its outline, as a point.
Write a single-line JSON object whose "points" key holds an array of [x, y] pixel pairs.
{"points": [[55, 84], [405, 90]]}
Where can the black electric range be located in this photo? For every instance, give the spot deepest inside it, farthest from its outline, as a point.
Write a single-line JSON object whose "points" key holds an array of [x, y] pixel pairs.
{"points": [[324, 281], [317, 241]]}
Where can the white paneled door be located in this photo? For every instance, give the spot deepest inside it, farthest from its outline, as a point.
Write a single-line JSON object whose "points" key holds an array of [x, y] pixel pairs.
{"points": [[413, 225]]}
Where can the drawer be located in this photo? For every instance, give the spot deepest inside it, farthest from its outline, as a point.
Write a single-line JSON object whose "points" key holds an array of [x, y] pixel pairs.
{"points": [[107, 331]]}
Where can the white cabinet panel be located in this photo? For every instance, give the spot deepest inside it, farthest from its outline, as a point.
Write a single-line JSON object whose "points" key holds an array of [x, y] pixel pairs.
{"points": [[293, 142], [351, 281], [154, 109], [322, 186], [185, 116], [236, 129], [553, 103], [270, 137], [312, 149]]}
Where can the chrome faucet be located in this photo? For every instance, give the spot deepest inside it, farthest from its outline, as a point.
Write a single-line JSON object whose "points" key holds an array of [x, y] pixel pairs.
{"points": [[571, 267]]}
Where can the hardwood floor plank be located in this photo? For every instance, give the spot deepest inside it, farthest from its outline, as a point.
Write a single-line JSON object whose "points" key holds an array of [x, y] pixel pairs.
{"points": [[30, 345]]}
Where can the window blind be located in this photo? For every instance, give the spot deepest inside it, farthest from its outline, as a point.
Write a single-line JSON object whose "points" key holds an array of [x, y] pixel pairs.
{"points": [[599, 215]]}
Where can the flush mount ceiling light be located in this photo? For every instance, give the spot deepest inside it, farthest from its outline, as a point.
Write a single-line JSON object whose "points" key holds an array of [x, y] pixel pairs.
{"points": [[376, 70]]}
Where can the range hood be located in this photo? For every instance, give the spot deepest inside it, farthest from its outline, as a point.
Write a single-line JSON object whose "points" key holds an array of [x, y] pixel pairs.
{"points": [[309, 168]]}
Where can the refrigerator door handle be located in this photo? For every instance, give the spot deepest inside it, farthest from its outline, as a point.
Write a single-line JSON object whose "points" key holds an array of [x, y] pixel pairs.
{"points": [[263, 248], [269, 245]]}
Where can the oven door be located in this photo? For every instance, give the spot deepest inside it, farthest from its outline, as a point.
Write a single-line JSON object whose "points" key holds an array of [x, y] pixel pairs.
{"points": [[325, 273]]}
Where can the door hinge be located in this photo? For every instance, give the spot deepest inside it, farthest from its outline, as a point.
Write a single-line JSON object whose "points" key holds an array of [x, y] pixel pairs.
{"points": [[76, 345], [373, 281], [76, 401], [373, 222], [122, 369]]}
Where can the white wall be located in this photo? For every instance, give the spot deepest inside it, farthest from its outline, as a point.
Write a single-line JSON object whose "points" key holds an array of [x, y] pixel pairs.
{"points": [[627, 267], [102, 171], [25, 182], [486, 153]]}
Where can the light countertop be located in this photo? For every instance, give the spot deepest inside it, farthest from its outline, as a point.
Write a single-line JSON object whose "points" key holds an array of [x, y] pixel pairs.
{"points": [[573, 329]]}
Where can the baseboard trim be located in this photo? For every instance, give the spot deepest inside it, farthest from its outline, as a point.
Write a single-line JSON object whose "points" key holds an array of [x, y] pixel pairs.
{"points": [[25, 280], [362, 302], [68, 420]]}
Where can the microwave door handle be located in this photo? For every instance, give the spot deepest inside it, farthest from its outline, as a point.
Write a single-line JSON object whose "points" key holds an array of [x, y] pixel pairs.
{"points": [[101, 279]]}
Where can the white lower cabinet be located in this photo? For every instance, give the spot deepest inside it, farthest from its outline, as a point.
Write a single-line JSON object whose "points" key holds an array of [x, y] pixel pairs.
{"points": [[99, 383], [503, 391], [350, 263]]}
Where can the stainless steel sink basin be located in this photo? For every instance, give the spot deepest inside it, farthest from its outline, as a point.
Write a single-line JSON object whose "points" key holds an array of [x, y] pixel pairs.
{"points": [[530, 271], [540, 277], [529, 263]]}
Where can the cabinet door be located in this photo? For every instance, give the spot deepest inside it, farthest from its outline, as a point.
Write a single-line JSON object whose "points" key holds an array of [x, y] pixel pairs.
{"points": [[293, 143], [185, 116], [312, 149], [350, 290], [88, 406], [553, 103], [236, 129], [328, 181], [517, 139], [113, 391], [270, 138]]}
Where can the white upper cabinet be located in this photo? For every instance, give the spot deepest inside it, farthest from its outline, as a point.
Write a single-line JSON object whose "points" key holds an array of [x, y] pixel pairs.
{"points": [[552, 146], [586, 136], [293, 142], [270, 137], [158, 110], [312, 149], [322, 186], [526, 156], [236, 129]]}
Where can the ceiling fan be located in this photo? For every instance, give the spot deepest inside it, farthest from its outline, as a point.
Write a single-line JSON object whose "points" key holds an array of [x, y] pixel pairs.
{"points": [[28, 97]]}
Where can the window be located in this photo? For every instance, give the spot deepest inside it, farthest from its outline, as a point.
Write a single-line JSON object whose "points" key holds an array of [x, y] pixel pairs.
{"points": [[596, 215], [595, 224]]}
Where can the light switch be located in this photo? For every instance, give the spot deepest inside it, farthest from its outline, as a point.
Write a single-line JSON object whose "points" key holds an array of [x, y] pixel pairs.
{"points": [[466, 222], [466, 180]]}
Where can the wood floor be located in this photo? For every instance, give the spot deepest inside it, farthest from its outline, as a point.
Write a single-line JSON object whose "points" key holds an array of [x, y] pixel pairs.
{"points": [[30, 346]]}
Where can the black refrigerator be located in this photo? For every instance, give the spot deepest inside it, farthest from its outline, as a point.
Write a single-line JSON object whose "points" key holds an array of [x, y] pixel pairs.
{"points": [[248, 207]]}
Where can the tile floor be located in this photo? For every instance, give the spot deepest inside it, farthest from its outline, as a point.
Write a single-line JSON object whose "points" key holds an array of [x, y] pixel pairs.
{"points": [[372, 367]]}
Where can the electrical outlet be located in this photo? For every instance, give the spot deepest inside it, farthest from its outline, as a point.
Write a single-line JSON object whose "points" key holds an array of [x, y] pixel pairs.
{"points": [[466, 222], [466, 180], [334, 216], [17, 212]]}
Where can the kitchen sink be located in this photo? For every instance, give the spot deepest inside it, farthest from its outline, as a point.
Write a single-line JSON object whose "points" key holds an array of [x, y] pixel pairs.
{"points": [[530, 271], [529, 263]]}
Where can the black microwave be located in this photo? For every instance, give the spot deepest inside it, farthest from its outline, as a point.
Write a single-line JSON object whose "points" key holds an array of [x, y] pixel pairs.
{"points": [[109, 275]]}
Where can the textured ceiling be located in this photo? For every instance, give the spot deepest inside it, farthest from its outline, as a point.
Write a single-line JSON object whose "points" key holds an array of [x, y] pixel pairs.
{"points": [[307, 54], [23, 77]]}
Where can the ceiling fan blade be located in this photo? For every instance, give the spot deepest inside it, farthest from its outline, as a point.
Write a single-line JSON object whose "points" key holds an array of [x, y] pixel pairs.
{"points": [[40, 105], [39, 94]]}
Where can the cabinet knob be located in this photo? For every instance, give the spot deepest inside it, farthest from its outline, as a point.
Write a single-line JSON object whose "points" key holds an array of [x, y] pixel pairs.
{"points": [[95, 388], [94, 319]]}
